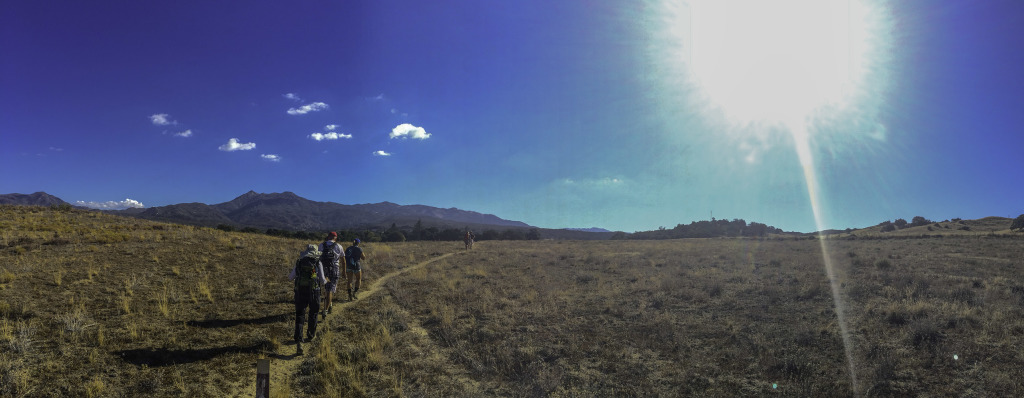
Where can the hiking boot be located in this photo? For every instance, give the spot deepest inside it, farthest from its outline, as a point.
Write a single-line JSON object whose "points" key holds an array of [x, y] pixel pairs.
{"points": [[355, 295], [349, 294], [298, 347]]}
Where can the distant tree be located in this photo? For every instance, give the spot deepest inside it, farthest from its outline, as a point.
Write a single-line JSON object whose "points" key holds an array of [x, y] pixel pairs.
{"points": [[393, 235], [900, 223], [513, 234], [370, 236], [1018, 223], [251, 230], [918, 221], [618, 235], [533, 234], [417, 231], [430, 233], [489, 234], [887, 226], [226, 228], [63, 207]]}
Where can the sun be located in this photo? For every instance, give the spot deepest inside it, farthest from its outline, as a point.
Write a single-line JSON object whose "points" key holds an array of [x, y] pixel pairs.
{"points": [[777, 61]]}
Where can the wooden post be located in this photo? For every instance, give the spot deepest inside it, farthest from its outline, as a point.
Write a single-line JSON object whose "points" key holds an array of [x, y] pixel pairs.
{"points": [[262, 378]]}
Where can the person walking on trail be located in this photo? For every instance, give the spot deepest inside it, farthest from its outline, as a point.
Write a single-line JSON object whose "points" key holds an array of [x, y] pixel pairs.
{"points": [[353, 268], [330, 255], [469, 240], [308, 275]]}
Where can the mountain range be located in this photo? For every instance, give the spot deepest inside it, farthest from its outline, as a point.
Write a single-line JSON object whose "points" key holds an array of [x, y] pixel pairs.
{"points": [[288, 211], [35, 199]]}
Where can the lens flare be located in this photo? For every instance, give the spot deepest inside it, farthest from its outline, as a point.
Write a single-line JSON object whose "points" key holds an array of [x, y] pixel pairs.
{"points": [[814, 70]]}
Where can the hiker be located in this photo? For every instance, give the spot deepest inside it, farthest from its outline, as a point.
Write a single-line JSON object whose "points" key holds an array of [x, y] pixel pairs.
{"points": [[308, 275], [353, 269], [469, 240], [330, 255]]}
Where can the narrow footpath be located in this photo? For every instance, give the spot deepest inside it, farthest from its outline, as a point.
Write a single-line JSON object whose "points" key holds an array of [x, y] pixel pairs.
{"points": [[283, 367]]}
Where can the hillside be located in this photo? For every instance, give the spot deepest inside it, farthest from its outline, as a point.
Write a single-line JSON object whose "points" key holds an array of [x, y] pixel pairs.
{"points": [[93, 304], [956, 227]]}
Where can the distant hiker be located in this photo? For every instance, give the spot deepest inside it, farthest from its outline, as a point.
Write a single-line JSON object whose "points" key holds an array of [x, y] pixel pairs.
{"points": [[308, 275], [469, 240], [330, 254], [353, 268]]}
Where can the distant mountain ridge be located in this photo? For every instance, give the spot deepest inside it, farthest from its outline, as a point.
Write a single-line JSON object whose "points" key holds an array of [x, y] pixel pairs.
{"points": [[591, 229], [35, 199], [289, 211]]}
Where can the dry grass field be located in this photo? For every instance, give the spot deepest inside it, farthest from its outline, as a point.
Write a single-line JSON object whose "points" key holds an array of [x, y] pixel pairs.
{"points": [[95, 305]]}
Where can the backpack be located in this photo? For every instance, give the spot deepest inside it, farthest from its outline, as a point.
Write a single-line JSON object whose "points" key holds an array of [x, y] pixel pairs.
{"points": [[305, 275], [328, 257], [352, 255]]}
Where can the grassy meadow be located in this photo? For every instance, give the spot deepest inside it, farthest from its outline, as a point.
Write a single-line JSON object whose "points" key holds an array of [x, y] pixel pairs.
{"points": [[97, 305]]}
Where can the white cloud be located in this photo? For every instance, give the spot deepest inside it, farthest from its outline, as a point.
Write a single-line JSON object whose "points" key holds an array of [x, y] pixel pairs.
{"points": [[162, 119], [406, 130], [271, 157], [302, 110], [111, 205], [293, 97], [379, 97], [234, 145], [381, 153], [186, 133], [330, 127], [329, 136], [592, 182]]}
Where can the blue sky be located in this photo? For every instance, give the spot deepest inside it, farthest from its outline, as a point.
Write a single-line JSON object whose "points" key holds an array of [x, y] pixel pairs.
{"points": [[557, 114]]}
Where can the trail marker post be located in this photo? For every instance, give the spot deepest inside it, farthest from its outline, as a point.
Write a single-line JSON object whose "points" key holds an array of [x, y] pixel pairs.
{"points": [[262, 378]]}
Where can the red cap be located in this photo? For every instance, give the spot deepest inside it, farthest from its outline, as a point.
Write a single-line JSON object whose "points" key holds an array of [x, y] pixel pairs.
{"points": [[332, 235]]}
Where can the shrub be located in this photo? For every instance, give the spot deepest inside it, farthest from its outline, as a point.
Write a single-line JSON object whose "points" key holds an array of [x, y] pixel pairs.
{"points": [[887, 226], [1018, 223], [925, 334]]}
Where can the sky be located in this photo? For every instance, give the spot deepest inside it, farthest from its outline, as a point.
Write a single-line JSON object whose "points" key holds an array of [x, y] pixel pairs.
{"points": [[622, 115]]}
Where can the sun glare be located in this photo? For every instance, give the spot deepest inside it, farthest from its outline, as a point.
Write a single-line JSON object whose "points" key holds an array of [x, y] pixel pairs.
{"points": [[777, 61], [786, 64]]}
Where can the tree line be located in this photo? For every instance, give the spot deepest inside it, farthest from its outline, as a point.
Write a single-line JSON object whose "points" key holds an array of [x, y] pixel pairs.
{"points": [[397, 234], [705, 229]]}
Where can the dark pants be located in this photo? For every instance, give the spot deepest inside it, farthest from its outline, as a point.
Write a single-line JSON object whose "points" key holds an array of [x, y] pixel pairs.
{"points": [[305, 299]]}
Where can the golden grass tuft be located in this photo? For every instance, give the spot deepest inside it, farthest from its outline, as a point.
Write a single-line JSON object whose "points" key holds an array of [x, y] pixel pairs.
{"points": [[6, 276], [95, 387], [163, 303]]}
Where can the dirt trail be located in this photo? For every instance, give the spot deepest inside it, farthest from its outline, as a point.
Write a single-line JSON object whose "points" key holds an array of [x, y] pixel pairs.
{"points": [[284, 366]]}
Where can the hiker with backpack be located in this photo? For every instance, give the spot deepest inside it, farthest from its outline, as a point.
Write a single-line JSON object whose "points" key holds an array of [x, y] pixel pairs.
{"points": [[308, 275], [353, 268], [330, 254]]}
